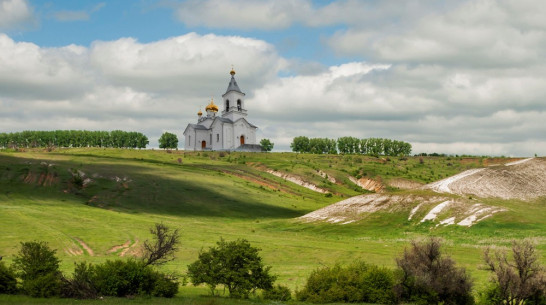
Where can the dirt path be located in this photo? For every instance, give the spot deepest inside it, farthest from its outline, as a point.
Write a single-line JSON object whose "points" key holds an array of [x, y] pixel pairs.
{"points": [[118, 247], [85, 246]]}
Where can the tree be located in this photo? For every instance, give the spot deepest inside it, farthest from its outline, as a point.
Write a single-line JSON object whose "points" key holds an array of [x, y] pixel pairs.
{"points": [[266, 144], [426, 276], [236, 265], [519, 280], [168, 140], [162, 249], [38, 268], [300, 144]]}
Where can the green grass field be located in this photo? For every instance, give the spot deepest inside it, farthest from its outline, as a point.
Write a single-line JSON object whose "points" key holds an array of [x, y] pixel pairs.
{"points": [[211, 195]]}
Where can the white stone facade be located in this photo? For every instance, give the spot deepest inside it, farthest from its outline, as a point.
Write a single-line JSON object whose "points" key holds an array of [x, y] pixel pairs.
{"points": [[226, 132]]}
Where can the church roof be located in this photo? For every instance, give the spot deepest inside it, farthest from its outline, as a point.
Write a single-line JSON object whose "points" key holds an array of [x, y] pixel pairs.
{"points": [[197, 126], [233, 85]]}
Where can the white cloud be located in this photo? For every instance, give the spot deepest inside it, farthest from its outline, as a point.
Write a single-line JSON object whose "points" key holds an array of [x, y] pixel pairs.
{"points": [[15, 13], [482, 33], [81, 15], [27, 70], [188, 64], [242, 14]]}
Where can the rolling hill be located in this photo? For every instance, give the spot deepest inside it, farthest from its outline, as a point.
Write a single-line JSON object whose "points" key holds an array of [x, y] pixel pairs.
{"points": [[97, 204]]}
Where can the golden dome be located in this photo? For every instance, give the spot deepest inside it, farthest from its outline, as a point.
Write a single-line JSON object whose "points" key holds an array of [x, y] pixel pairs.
{"points": [[200, 113], [211, 106], [232, 72]]}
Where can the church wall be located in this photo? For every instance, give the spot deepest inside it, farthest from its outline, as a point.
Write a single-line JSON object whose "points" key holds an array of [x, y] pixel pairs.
{"points": [[217, 137], [189, 140], [202, 135], [248, 132], [228, 136]]}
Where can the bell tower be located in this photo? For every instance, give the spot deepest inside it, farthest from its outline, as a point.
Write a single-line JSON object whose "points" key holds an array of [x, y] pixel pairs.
{"points": [[234, 100]]}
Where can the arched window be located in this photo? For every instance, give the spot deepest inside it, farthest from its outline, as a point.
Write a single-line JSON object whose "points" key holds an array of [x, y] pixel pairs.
{"points": [[227, 105], [217, 137], [239, 105], [210, 138]]}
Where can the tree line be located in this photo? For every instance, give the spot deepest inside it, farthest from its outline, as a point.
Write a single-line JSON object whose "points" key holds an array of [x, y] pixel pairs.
{"points": [[351, 145], [73, 138]]}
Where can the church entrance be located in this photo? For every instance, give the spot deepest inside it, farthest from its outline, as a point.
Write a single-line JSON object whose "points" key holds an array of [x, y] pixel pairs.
{"points": [[242, 140], [203, 144]]}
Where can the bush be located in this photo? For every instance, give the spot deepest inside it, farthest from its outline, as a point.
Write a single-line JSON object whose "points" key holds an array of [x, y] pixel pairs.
{"points": [[43, 286], [81, 285], [124, 278], [278, 293], [359, 282], [518, 280], [236, 265], [427, 277], [8, 282], [38, 268], [165, 286], [132, 277]]}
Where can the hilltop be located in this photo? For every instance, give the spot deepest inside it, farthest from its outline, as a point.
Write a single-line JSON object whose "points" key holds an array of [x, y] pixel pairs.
{"points": [[96, 204]]}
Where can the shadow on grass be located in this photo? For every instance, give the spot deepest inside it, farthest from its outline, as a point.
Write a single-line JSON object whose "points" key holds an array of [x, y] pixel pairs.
{"points": [[145, 191]]}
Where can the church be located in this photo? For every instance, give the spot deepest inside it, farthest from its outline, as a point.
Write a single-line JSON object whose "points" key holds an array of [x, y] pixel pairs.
{"points": [[228, 131]]}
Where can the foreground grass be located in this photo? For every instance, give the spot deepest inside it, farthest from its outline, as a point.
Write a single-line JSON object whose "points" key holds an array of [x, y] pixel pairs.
{"points": [[213, 195]]}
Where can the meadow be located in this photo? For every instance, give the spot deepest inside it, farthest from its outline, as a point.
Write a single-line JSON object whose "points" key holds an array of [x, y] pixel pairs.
{"points": [[211, 195]]}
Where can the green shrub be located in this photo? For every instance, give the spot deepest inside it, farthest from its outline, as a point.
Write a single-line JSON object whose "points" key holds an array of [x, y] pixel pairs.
{"points": [[164, 286], [8, 282], [124, 278], [43, 286], [81, 285], [131, 277], [359, 282], [38, 268], [278, 293]]}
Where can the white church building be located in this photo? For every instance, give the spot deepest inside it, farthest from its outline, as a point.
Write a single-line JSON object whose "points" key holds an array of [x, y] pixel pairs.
{"points": [[230, 131]]}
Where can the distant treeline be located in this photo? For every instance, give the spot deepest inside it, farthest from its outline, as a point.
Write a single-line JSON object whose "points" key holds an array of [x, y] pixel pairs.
{"points": [[73, 138], [351, 145]]}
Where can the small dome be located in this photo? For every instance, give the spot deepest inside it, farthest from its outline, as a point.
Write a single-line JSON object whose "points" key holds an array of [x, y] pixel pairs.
{"points": [[200, 113], [232, 72], [211, 106]]}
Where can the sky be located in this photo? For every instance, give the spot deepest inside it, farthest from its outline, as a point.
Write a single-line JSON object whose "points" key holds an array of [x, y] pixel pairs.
{"points": [[454, 77]]}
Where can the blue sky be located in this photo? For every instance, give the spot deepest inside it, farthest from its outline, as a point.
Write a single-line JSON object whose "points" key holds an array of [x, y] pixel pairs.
{"points": [[460, 77]]}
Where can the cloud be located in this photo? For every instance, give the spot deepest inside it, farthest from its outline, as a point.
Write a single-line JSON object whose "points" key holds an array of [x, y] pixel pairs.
{"points": [[242, 14], [81, 15], [480, 34], [430, 105], [15, 14], [189, 64]]}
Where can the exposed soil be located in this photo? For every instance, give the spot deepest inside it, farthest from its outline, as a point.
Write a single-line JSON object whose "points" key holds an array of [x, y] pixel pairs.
{"points": [[368, 184], [324, 175], [521, 179], [404, 184], [85, 246], [435, 209], [119, 247], [297, 180], [132, 250]]}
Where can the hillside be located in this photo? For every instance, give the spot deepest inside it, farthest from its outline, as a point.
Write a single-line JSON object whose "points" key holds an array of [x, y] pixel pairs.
{"points": [[98, 204]]}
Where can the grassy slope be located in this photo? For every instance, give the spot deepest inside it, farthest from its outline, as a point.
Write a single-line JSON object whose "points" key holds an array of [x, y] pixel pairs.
{"points": [[208, 196]]}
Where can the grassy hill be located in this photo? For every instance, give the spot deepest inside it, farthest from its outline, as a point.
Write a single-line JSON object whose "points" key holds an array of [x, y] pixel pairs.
{"points": [[98, 204]]}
